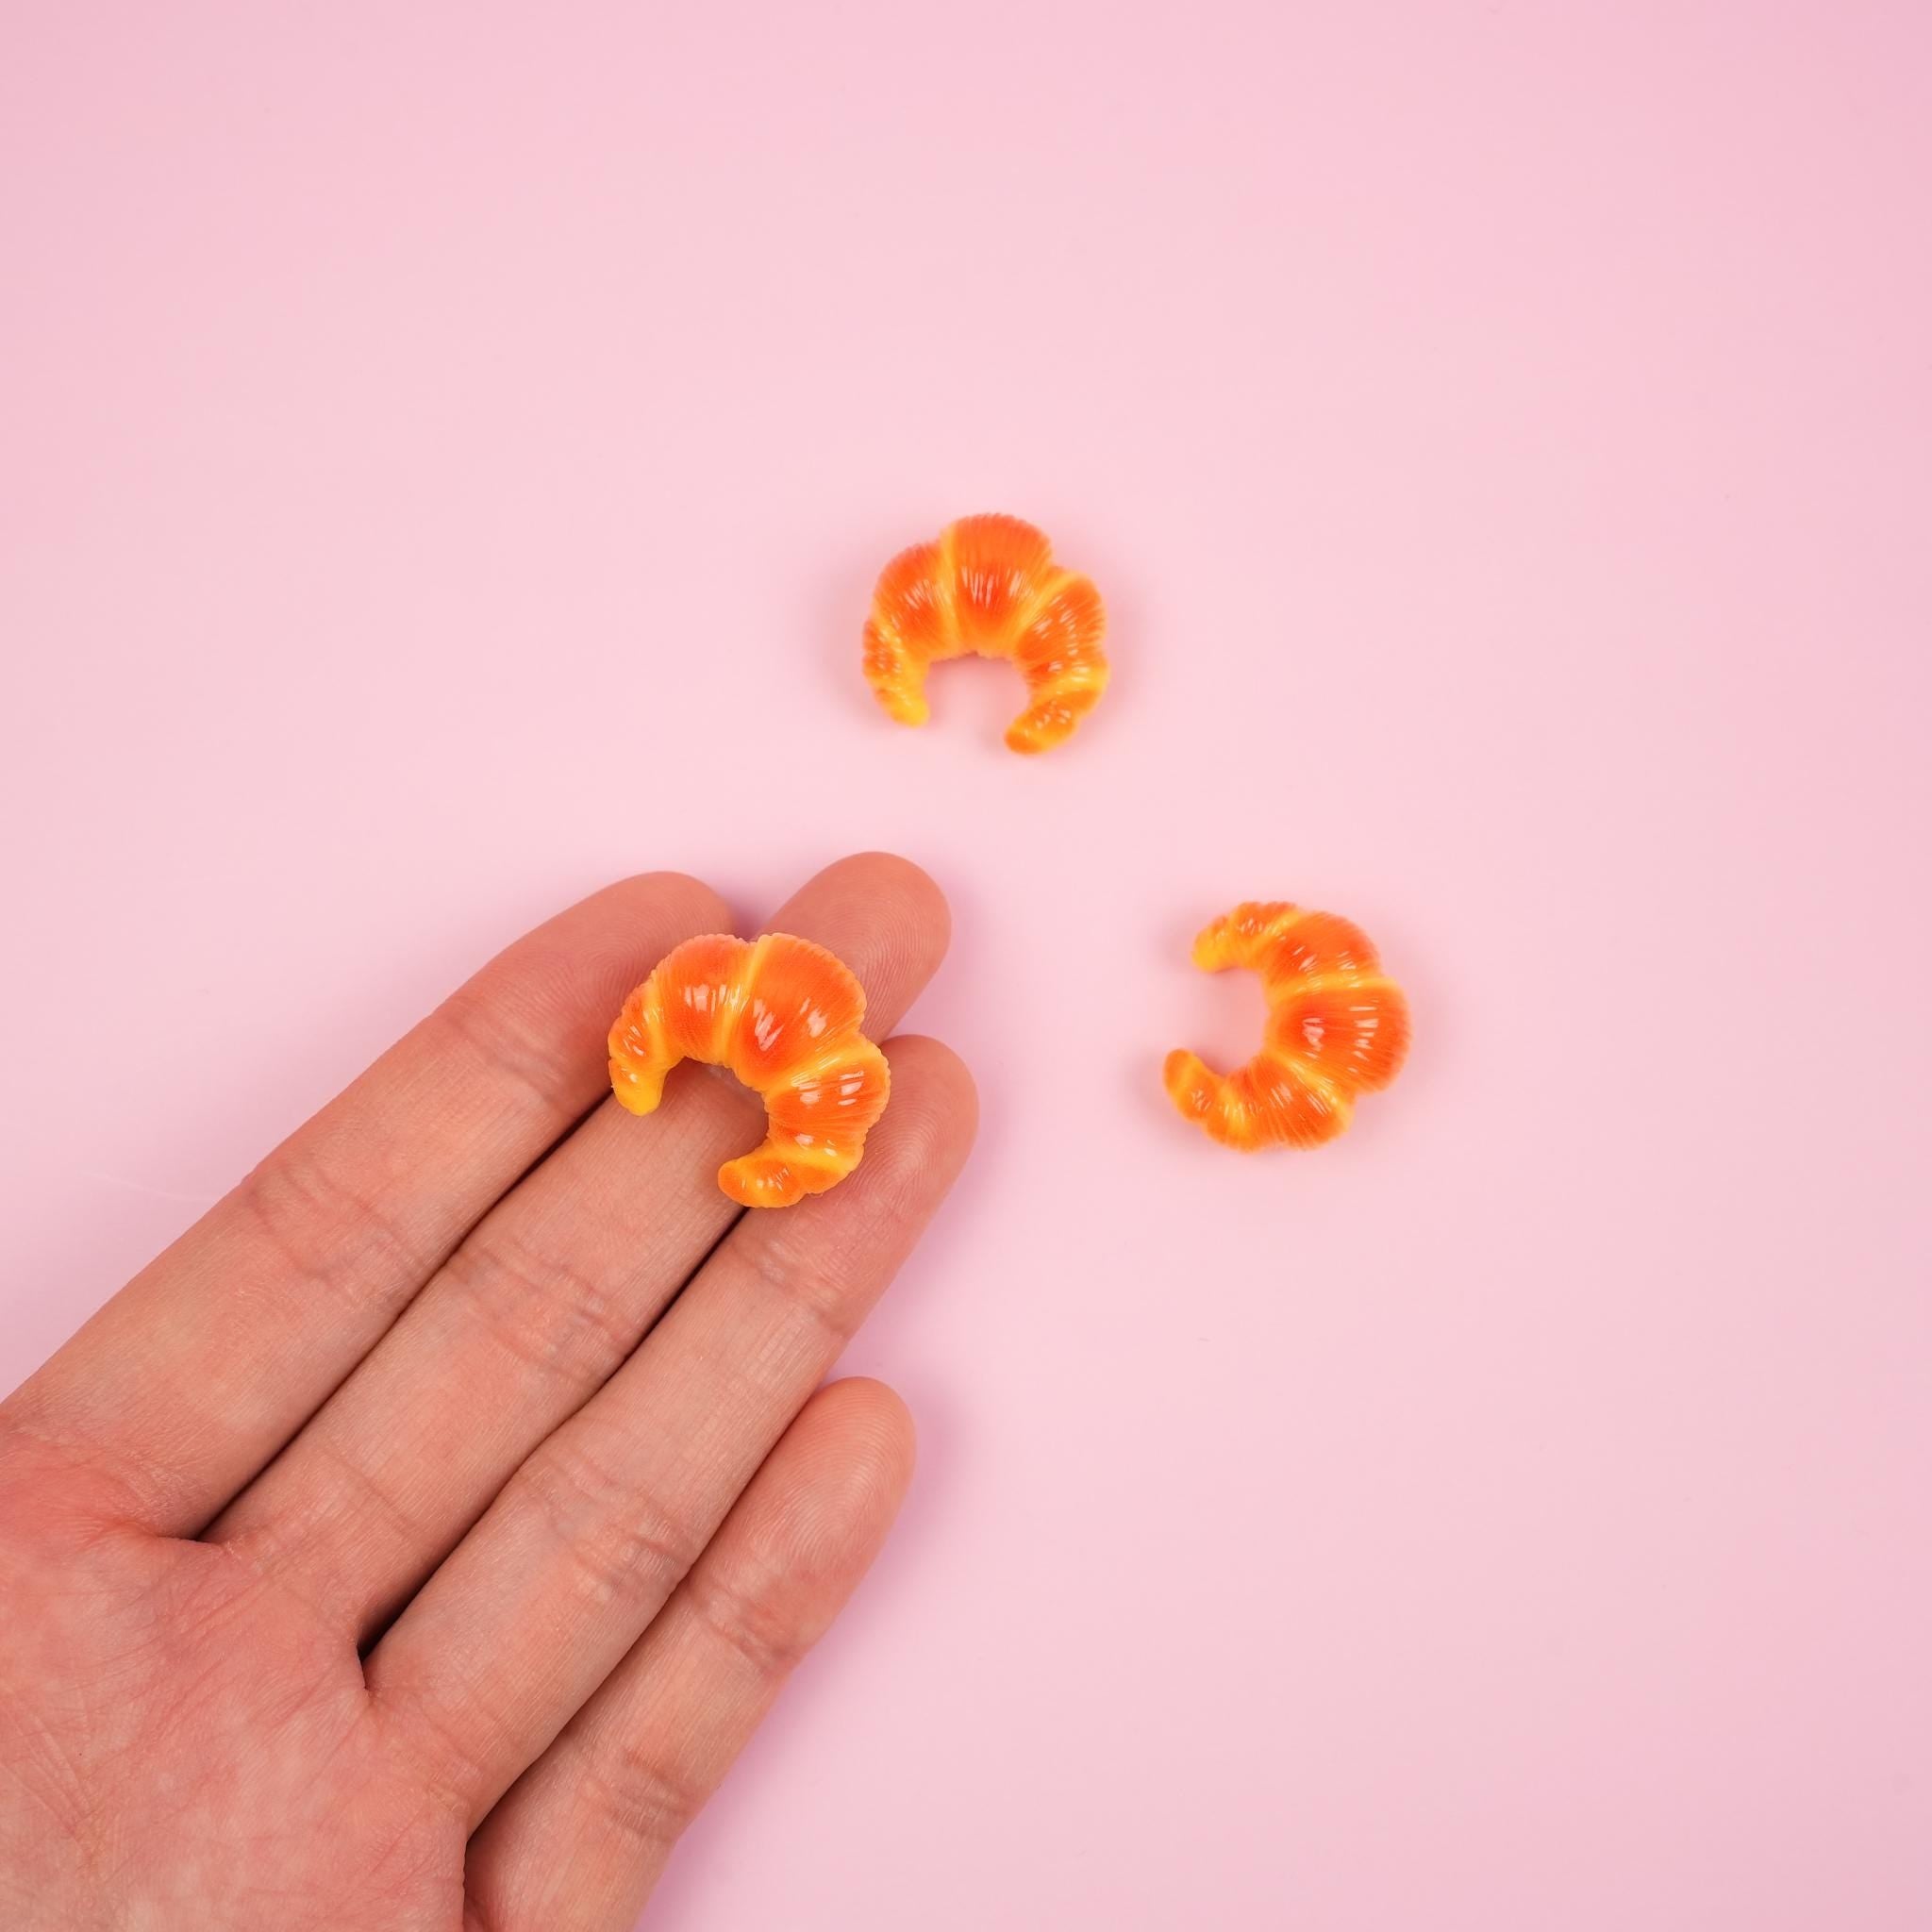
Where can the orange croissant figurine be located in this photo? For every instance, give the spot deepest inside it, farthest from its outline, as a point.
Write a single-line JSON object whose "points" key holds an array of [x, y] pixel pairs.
{"points": [[783, 1014], [990, 585], [1337, 1027]]}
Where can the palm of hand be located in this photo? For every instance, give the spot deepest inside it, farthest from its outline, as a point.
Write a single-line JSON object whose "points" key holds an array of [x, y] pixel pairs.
{"points": [[418, 1540], [178, 1731]]}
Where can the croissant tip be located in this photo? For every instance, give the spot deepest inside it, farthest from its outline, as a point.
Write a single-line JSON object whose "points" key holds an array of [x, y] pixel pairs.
{"points": [[740, 1181], [1184, 1076], [633, 1092]]}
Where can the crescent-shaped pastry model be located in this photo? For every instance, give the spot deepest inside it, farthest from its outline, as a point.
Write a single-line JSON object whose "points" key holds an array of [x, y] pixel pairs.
{"points": [[1337, 1027], [989, 586], [784, 1016]]}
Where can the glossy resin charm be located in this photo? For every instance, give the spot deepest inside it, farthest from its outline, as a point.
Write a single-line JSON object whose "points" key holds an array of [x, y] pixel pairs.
{"points": [[989, 586], [784, 1016], [1337, 1027]]}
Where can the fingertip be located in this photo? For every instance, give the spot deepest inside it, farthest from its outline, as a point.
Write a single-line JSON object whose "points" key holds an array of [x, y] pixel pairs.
{"points": [[873, 1427], [881, 914], [828, 1493], [933, 1079], [676, 898], [893, 882]]}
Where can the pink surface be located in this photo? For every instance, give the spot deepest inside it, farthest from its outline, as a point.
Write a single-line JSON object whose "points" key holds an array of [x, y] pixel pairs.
{"points": [[444, 453]]}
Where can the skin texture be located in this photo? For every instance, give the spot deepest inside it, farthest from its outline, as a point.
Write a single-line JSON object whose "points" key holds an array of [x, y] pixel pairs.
{"points": [[416, 1542]]}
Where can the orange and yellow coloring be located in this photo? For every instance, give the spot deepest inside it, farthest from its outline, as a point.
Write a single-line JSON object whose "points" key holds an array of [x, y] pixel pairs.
{"points": [[989, 586], [784, 1016], [1337, 1027]]}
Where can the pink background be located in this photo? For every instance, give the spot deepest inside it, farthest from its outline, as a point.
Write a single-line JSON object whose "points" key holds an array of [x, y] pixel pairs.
{"points": [[444, 454]]}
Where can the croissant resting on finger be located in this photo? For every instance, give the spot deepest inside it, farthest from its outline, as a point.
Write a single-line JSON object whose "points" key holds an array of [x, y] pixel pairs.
{"points": [[784, 1016]]}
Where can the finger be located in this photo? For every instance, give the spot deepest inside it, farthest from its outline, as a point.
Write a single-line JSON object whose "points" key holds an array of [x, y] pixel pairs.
{"points": [[190, 1378], [535, 1608], [544, 1299], [577, 1844]]}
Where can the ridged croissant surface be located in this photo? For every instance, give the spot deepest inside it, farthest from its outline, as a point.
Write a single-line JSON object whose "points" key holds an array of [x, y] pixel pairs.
{"points": [[784, 1015], [989, 586], [1337, 1027]]}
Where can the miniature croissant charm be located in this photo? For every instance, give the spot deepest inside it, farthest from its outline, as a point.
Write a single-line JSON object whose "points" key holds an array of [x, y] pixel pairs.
{"points": [[989, 586], [784, 1016], [1337, 1027]]}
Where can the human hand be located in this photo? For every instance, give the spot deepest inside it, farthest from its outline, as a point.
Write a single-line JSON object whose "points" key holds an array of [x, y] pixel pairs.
{"points": [[379, 1557]]}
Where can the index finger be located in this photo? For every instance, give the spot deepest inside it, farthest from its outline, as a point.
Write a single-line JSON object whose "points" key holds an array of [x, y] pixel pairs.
{"points": [[185, 1384]]}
